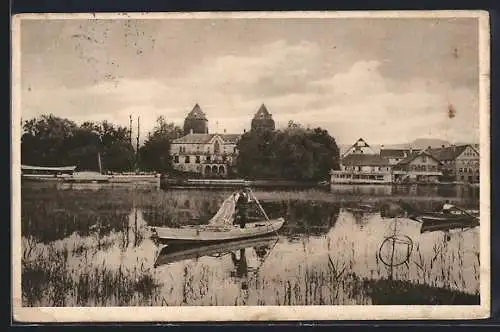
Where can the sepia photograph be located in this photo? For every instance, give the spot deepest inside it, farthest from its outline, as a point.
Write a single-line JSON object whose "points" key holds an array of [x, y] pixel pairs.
{"points": [[250, 166]]}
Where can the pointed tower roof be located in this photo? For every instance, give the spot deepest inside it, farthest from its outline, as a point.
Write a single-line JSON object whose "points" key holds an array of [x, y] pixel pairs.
{"points": [[262, 112], [196, 113]]}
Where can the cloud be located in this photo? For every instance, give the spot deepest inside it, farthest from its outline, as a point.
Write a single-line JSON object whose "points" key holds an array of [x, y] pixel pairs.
{"points": [[290, 78]]}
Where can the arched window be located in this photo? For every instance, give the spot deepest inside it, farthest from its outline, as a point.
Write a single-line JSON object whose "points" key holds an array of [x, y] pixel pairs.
{"points": [[216, 147]]}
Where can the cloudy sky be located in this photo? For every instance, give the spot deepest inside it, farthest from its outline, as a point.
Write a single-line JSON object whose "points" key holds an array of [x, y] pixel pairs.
{"points": [[387, 80]]}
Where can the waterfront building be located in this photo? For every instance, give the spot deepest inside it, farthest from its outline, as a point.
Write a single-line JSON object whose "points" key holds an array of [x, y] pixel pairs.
{"points": [[418, 167], [460, 163], [359, 147], [210, 155], [362, 168], [263, 120], [394, 156]]}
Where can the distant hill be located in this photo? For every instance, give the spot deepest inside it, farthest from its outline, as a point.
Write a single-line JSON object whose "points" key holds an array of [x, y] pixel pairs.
{"points": [[423, 143]]}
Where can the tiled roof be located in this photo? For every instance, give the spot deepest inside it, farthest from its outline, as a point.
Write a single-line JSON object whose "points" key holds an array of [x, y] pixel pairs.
{"points": [[262, 112], [205, 138], [395, 153], [196, 113], [448, 153], [364, 160], [414, 155]]}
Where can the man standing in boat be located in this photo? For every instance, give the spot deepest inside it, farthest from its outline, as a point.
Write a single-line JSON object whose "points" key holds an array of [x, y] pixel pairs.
{"points": [[242, 207]]}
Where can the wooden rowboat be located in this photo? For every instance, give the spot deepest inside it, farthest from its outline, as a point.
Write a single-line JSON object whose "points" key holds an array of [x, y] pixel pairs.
{"points": [[444, 221], [214, 234], [175, 253]]}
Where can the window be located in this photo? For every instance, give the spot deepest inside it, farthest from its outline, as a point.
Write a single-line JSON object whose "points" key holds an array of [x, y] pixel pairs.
{"points": [[186, 160], [424, 159], [209, 159], [216, 147], [176, 159], [198, 159], [460, 170]]}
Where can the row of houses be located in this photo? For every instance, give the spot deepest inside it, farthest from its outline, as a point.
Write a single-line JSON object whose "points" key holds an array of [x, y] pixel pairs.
{"points": [[455, 163]]}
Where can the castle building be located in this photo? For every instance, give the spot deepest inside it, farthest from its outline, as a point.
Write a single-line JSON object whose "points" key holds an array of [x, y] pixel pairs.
{"points": [[263, 120], [196, 121], [210, 155]]}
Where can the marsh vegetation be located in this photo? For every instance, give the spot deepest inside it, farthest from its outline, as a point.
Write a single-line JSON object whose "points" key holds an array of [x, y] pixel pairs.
{"points": [[92, 248]]}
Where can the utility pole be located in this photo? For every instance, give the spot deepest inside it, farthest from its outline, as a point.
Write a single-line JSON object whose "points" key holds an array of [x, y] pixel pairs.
{"points": [[137, 143], [130, 130]]}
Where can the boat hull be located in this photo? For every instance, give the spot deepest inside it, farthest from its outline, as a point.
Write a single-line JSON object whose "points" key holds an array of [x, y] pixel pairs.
{"points": [[432, 223], [207, 234]]}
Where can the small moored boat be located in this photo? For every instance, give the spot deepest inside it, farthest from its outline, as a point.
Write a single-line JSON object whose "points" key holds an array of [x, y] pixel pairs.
{"points": [[452, 217]]}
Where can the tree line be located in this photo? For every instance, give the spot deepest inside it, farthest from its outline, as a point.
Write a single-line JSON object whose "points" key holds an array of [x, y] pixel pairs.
{"points": [[49, 140], [294, 153]]}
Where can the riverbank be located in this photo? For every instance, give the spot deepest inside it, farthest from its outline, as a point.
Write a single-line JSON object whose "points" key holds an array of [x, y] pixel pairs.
{"points": [[93, 177], [236, 184]]}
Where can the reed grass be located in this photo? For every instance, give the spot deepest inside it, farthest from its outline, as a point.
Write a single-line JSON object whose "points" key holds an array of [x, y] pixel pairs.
{"points": [[56, 272]]}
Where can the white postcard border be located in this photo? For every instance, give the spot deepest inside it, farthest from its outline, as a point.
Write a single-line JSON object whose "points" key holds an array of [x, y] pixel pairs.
{"points": [[256, 313]]}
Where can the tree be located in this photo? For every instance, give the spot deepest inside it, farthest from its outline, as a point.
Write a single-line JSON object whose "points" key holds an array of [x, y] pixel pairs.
{"points": [[155, 153], [53, 141], [44, 139], [294, 153]]}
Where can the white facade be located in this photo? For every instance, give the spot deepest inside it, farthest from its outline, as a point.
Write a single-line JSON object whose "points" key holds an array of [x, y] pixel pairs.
{"points": [[207, 154]]}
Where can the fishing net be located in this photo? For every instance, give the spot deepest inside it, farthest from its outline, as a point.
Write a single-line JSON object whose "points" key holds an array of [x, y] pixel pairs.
{"points": [[225, 215]]}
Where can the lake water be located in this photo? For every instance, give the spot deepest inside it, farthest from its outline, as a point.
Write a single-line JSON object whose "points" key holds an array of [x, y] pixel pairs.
{"points": [[89, 245]]}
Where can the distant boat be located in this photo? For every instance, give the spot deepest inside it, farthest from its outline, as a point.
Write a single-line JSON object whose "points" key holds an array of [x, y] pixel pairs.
{"points": [[87, 177], [43, 173], [444, 220]]}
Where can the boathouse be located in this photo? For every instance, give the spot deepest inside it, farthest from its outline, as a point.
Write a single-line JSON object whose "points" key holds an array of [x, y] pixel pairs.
{"points": [[362, 169]]}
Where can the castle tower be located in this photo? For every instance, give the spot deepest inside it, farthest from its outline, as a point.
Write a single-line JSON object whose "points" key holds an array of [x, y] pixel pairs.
{"points": [[196, 121], [263, 120]]}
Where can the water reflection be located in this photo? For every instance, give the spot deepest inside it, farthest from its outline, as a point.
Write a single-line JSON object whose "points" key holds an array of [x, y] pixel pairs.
{"points": [[92, 248]]}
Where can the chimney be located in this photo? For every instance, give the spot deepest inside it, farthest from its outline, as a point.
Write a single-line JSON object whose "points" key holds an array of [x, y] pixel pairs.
{"points": [[442, 145], [244, 131], [191, 130]]}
